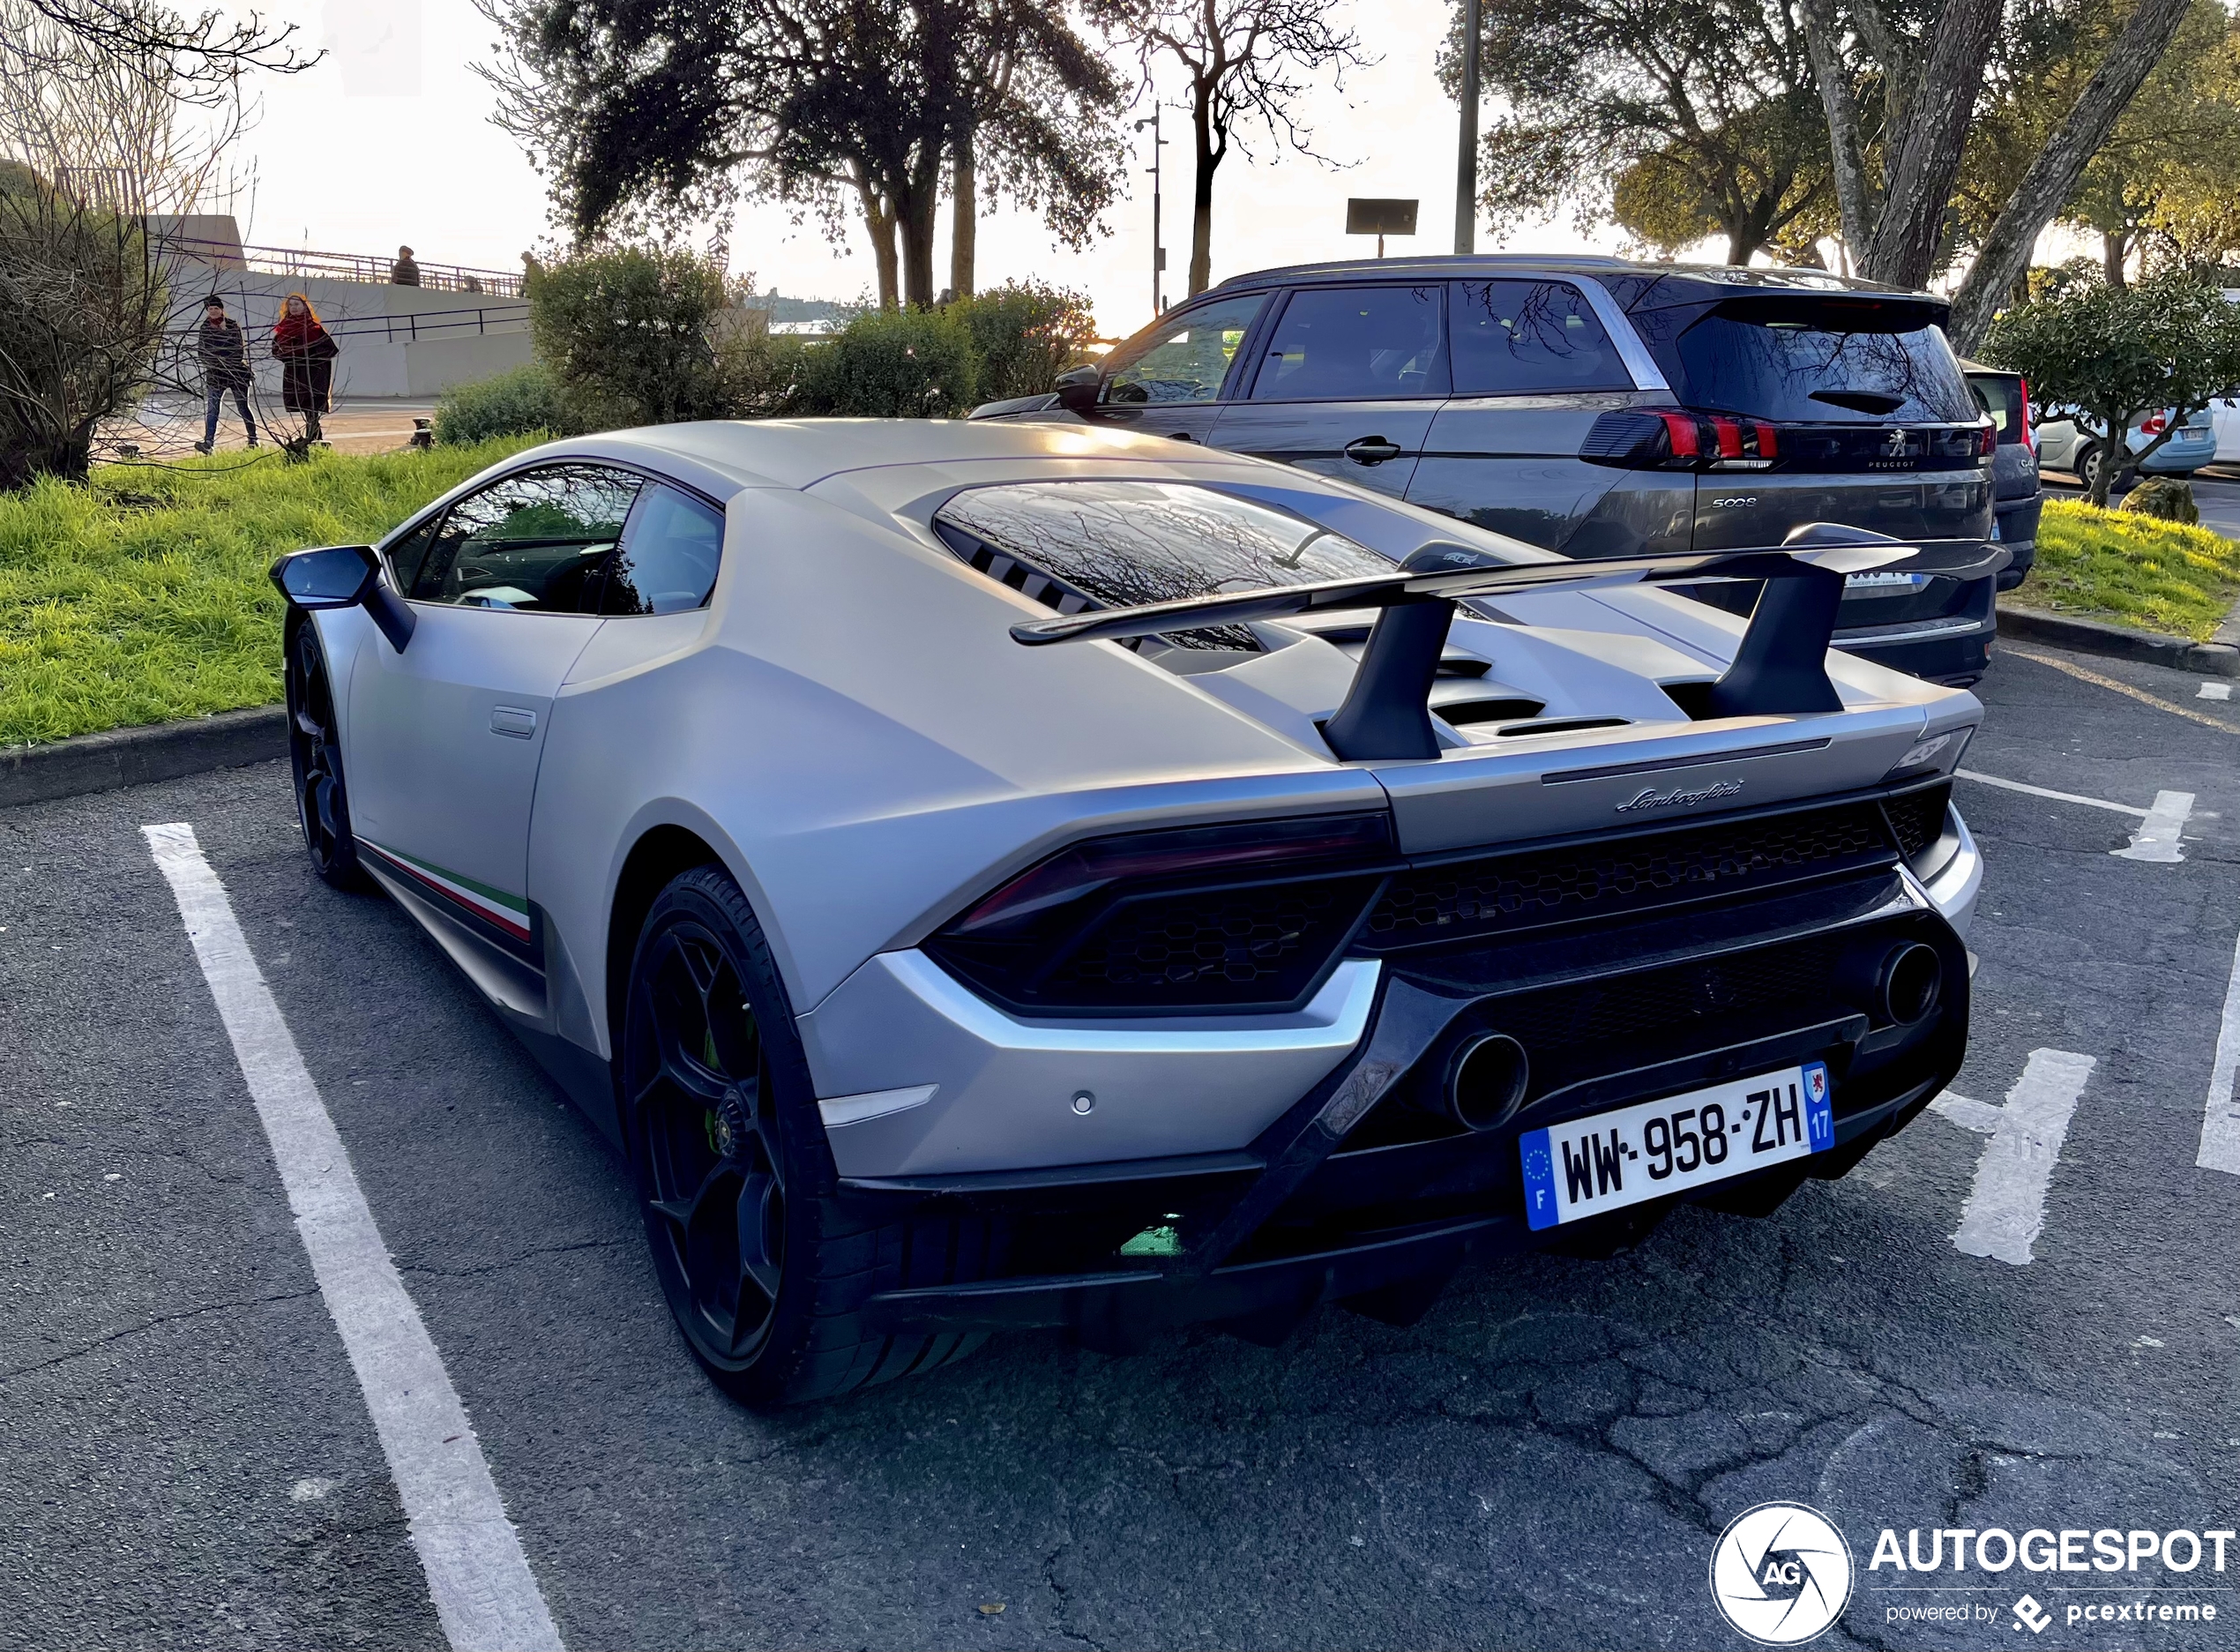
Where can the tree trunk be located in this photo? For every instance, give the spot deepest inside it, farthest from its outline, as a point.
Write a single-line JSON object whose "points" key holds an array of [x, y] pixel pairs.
{"points": [[2052, 177], [1740, 243], [1201, 194], [1847, 150], [1904, 250], [964, 205], [2115, 248], [915, 216], [878, 223], [2117, 426]]}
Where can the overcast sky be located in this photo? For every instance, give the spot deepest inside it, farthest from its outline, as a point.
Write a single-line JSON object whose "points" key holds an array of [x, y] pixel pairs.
{"points": [[389, 141]]}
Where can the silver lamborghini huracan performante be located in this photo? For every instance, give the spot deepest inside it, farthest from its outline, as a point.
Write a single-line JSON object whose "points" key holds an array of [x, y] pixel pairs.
{"points": [[988, 876]]}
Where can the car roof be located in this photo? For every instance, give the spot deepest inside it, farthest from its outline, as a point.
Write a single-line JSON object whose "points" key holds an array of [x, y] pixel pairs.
{"points": [[724, 456], [1671, 283]]}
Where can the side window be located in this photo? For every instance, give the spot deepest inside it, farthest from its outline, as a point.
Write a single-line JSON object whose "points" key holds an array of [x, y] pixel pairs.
{"points": [[407, 554], [668, 557], [1355, 343], [1186, 357], [1515, 338], [540, 542]]}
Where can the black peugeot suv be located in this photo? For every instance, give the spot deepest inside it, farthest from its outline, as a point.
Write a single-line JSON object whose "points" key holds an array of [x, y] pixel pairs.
{"points": [[1598, 408]]}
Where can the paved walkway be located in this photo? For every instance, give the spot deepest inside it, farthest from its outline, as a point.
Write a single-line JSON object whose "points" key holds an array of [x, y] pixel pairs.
{"points": [[168, 429]]}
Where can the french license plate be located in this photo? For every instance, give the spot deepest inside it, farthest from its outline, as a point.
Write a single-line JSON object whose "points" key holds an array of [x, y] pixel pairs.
{"points": [[1884, 584], [1612, 1159]]}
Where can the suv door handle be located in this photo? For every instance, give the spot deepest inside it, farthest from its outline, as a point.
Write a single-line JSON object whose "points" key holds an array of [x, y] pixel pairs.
{"points": [[1372, 450], [1180, 435]]}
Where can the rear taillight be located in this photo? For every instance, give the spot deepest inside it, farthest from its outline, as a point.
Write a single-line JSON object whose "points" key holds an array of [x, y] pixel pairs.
{"points": [[2022, 395], [1189, 918], [2153, 424], [1989, 442], [1672, 438]]}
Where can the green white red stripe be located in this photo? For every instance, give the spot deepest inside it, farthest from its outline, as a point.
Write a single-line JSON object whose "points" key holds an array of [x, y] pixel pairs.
{"points": [[509, 913]]}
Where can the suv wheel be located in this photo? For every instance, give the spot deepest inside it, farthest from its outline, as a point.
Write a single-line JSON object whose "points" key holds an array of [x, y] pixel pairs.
{"points": [[766, 1274]]}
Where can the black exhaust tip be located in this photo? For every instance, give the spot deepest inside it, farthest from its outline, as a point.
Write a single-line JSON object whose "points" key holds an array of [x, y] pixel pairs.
{"points": [[1912, 978], [1490, 1075]]}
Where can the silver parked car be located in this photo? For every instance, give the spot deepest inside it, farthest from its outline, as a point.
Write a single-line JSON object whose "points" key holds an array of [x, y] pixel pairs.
{"points": [[990, 875], [2074, 441]]}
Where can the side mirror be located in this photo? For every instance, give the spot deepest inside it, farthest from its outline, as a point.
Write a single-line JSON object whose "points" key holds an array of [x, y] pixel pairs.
{"points": [[344, 576], [1079, 387]]}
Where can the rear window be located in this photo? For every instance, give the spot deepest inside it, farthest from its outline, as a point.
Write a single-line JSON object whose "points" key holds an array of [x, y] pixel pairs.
{"points": [[1824, 363], [2000, 395], [1519, 338], [1078, 545]]}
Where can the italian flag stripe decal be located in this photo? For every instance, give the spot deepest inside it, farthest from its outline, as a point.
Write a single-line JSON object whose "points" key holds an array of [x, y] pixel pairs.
{"points": [[510, 913]]}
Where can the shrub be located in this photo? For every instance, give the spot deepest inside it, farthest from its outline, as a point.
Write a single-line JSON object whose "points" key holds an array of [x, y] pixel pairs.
{"points": [[519, 402], [891, 364], [628, 333], [1026, 334], [2167, 498]]}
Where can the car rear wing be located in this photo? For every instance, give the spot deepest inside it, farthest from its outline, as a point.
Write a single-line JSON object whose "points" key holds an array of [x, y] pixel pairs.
{"points": [[1780, 666]]}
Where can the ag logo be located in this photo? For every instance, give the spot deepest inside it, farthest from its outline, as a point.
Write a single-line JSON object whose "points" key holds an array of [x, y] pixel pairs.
{"points": [[1781, 1572]]}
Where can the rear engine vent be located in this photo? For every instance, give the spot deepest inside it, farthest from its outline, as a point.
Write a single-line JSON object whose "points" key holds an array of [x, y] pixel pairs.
{"points": [[1524, 891], [1917, 818]]}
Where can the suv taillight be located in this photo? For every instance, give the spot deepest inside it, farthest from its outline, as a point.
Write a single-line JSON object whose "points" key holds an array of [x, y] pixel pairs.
{"points": [[1675, 439], [2022, 394]]}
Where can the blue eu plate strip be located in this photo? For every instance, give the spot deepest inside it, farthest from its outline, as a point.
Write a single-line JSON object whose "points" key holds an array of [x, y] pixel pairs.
{"points": [[1540, 1180]]}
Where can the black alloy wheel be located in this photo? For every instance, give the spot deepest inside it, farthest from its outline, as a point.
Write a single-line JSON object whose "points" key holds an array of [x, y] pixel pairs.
{"points": [[766, 1272], [711, 1156], [315, 756]]}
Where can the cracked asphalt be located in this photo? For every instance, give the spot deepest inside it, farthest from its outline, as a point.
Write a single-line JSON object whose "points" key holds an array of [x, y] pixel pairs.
{"points": [[1544, 1461]]}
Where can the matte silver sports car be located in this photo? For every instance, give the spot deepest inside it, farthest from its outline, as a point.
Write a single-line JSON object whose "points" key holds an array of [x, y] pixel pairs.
{"points": [[991, 876]]}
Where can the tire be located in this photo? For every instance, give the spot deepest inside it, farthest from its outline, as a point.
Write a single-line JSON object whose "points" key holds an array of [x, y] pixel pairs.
{"points": [[315, 760], [767, 1275]]}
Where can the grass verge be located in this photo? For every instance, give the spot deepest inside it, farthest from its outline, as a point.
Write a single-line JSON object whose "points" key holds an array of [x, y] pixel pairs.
{"points": [[143, 597], [2132, 569]]}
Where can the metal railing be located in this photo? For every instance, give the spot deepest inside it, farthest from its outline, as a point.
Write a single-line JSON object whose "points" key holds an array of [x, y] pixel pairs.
{"points": [[482, 318], [347, 266]]}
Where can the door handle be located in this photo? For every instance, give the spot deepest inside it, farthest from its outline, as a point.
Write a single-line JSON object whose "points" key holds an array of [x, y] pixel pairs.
{"points": [[516, 722], [1180, 435], [1372, 450]]}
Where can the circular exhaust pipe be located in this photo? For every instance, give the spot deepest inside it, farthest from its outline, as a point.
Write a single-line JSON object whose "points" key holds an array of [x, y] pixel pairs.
{"points": [[1487, 1087], [1912, 978]]}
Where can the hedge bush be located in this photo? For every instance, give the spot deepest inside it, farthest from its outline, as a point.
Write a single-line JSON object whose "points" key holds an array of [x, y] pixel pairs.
{"points": [[1026, 334], [891, 364], [628, 334], [519, 402]]}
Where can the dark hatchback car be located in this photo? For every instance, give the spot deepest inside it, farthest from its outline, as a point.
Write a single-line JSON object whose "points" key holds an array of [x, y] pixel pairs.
{"points": [[2005, 397], [1601, 408]]}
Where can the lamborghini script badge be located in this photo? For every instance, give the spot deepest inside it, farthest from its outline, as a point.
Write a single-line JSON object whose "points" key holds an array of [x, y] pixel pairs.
{"points": [[1677, 798]]}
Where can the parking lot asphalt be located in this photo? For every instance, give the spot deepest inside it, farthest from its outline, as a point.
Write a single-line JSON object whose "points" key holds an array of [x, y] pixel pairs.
{"points": [[1544, 1461]]}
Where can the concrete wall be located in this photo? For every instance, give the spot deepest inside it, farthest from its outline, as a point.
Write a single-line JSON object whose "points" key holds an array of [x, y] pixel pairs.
{"points": [[400, 341]]}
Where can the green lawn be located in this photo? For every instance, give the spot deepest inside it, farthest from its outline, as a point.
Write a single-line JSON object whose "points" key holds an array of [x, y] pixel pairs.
{"points": [[144, 597], [2131, 569]]}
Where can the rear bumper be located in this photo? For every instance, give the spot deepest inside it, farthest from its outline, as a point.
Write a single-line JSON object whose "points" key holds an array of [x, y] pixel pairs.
{"points": [[1350, 1193], [1953, 647]]}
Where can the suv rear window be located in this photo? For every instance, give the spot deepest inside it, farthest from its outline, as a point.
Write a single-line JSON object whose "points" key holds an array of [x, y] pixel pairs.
{"points": [[1077, 545], [1824, 361]]}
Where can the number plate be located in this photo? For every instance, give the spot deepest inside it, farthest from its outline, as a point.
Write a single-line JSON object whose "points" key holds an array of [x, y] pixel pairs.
{"points": [[1591, 1166]]}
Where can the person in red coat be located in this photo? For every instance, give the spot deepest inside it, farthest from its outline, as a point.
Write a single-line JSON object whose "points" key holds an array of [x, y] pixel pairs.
{"points": [[306, 351]]}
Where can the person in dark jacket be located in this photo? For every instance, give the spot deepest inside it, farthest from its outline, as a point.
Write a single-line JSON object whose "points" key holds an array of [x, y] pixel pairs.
{"points": [[306, 351], [225, 367], [404, 272]]}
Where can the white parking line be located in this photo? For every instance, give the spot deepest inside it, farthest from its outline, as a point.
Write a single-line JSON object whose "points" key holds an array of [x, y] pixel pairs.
{"points": [[2006, 1208], [477, 1575], [2220, 1117], [2157, 837], [2161, 823], [2040, 791]]}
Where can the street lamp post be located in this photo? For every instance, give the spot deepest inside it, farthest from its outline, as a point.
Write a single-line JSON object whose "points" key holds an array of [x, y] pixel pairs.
{"points": [[1158, 250], [1465, 160]]}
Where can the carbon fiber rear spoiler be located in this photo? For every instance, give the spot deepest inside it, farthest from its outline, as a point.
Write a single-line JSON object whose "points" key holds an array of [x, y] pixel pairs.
{"points": [[1780, 666]]}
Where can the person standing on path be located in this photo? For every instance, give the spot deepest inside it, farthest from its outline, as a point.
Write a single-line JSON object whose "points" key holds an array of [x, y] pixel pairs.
{"points": [[224, 356], [306, 351], [404, 272]]}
